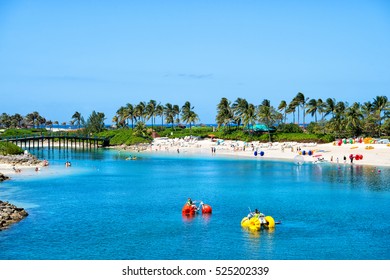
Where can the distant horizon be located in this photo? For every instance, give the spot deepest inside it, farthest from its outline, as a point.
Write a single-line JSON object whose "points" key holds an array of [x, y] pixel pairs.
{"points": [[66, 56]]}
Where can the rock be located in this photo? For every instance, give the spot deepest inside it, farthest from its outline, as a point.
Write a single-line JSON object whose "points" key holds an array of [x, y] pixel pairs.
{"points": [[3, 177], [10, 214]]}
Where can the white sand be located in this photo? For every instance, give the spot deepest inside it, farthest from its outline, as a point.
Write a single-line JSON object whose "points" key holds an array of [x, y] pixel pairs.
{"points": [[379, 156]]}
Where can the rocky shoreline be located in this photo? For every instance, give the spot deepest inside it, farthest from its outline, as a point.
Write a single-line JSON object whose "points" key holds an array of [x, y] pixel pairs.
{"points": [[3, 177], [21, 160], [10, 214]]}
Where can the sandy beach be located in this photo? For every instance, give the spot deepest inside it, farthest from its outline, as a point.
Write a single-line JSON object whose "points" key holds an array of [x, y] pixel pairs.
{"points": [[378, 155]]}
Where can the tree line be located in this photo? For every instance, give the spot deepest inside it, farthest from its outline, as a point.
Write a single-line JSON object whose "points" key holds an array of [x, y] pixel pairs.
{"points": [[333, 117], [336, 117], [142, 112]]}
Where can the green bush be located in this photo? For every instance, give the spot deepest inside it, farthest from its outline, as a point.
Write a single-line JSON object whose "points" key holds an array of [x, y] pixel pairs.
{"points": [[8, 148], [123, 136], [289, 128]]}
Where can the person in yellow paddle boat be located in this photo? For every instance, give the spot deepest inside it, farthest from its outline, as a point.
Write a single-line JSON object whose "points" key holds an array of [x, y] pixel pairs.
{"points": [[256, 214]]}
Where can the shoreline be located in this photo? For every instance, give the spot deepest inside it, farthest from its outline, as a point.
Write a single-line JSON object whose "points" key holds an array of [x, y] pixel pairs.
{"points": [[379, 155], [376, 155]]}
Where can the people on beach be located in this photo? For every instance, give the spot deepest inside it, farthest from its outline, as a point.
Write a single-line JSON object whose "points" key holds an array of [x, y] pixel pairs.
{"points": [[345, 159], [17, 170]]}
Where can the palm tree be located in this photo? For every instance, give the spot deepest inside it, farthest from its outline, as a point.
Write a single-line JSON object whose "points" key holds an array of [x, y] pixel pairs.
{"points": [[32, 118], [291, 108], [312, 108], [224, 113], [239, 108], [140, 129], [380, 105], [249, 116], [129, 114], [188, 115], [139, 111], [353, 118], [151, 111], [338, 120], [5, 120], [16, 120], [283, 107], [176, 111], [169, 114], [77, 119], [191, 118], [301, 101], [321, 108], [115, 119], [266, 114], [330, 106], [120, 117], [160, 112]]}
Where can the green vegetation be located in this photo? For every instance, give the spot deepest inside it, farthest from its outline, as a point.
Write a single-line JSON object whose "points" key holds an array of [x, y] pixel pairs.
{"points": [[236, 120], [7, 148]]}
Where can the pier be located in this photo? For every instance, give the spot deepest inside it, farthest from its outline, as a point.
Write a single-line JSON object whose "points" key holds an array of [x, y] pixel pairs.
{"points": [[60, 141]]}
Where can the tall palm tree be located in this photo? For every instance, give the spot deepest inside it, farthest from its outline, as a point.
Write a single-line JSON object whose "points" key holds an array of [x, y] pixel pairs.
{"points": [[312, 108], [321, 108], [187, 113], [239, 108], [367, 109], [283, 107], [330, 106], [189, 117], [129, 114], [5, 120], [338, 120], [224, 113], [301, 101], [169, 114], [120, 119], [139, 111], [77, 119], [16, 120], [291, 108], [380, 105], [115, 119], [354, 116], [160, 112], [32, 118], [176, 111], [151, 111], [266, 114], [249, 116]]}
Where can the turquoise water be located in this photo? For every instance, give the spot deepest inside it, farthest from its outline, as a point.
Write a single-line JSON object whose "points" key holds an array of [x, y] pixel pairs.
{"points": [[105, 207]]}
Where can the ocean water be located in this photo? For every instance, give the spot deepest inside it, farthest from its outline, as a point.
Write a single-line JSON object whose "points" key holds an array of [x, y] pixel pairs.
{"points": [[107, 208]]}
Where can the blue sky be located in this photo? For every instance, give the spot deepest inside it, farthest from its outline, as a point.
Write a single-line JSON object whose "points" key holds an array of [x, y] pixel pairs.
{"points": [[58, 57]]}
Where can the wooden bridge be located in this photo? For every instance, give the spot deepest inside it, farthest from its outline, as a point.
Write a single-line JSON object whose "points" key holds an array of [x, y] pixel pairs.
{"points": [[60, 141]]}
